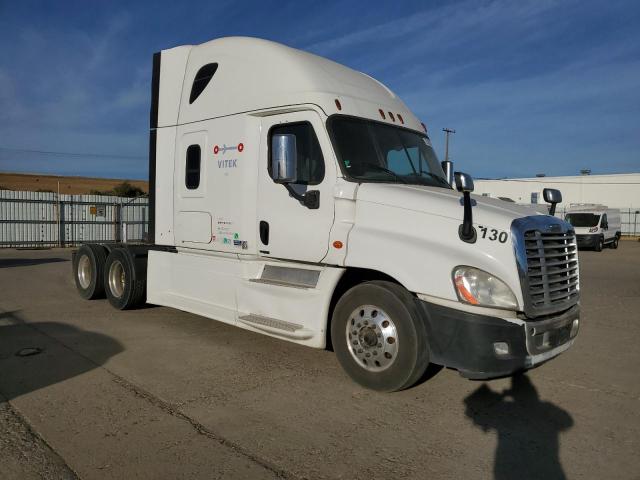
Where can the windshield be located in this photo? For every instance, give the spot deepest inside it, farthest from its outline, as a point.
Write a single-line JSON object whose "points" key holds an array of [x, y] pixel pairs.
{"points": [[374, 152], [582, 219]]}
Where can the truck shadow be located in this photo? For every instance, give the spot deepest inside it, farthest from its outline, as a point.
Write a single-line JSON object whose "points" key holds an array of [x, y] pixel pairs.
{"points": [[528, 429], [25, 262], [36, 355]]}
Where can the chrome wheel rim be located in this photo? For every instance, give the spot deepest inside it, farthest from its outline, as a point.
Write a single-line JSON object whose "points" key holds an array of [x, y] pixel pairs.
{"points": [[84, 271], [116, 278], [372, 338]]}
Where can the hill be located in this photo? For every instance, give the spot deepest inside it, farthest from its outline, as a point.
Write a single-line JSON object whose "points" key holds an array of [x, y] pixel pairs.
{"points": [[68, 185]]}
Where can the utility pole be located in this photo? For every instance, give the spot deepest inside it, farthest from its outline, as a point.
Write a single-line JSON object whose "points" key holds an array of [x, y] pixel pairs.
{"points": [[447, 131]]}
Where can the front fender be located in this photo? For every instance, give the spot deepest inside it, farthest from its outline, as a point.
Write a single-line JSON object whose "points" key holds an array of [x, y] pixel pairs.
{"points": [[420, 250]]}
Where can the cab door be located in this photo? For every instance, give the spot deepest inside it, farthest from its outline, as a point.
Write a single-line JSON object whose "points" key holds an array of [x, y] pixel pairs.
{"points": [[295, 216]]}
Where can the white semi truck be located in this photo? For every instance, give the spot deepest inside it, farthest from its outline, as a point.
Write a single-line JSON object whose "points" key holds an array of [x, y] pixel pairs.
{"points": [[596, 225], [295, 197]]}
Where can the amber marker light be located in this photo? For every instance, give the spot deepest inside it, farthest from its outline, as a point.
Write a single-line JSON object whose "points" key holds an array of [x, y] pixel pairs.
{"points": [[337, 244], [462, 290]]}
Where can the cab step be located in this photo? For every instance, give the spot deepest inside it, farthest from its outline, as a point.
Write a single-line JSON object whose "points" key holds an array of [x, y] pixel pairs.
{"points": [[275, 326]]}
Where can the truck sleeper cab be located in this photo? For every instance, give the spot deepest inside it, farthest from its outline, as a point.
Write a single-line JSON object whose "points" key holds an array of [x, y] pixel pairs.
{"points": [[295, 197]]}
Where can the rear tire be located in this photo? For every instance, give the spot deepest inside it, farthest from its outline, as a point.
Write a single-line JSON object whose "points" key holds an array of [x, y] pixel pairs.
{"points": [[124, 285], [379, 337], [88, 271], [614, 244], [599, 245]]}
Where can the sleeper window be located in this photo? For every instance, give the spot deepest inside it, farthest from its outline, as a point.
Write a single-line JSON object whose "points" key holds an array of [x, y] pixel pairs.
{"points": [[201, 80], [192, 169], [310, 159]]}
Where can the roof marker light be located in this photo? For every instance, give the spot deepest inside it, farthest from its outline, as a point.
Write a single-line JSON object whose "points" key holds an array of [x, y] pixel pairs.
{"points": [[401, 119], [338, 104], [382, 114], [393, 119]]}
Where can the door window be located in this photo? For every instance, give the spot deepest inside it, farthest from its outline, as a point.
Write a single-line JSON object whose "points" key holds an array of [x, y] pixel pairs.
{"points": [[192, 167], [310, 159]]}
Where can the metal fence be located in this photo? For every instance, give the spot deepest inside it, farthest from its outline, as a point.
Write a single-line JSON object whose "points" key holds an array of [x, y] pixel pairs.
{"points": [[44, 219]]}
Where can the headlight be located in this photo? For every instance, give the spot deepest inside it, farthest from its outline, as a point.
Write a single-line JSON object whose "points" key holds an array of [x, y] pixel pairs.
{"points": [[593, 229], [478, 287]]}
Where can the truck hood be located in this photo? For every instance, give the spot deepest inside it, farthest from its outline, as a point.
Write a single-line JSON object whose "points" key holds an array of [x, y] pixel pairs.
{"points": [[443, 202], [410, 233]]}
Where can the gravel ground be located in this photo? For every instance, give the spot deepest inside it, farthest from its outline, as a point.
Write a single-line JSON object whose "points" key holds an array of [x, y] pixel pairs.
{"points": [[23, 453], [158, 393]]}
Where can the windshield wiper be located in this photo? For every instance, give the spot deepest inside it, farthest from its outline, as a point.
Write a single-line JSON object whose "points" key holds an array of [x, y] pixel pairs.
{"points": [[385, 170], [431, 175]]}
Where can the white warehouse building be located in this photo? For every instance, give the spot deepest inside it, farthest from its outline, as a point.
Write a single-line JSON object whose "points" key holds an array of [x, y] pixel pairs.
{"points": [[616, 191]]}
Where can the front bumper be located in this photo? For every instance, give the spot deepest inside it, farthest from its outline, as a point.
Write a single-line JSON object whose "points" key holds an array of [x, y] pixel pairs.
{"points": [[587, 240], [466, 341]]}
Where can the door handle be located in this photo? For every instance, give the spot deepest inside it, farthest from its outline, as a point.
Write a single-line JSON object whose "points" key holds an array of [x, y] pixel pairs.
{"points": [[264, 232]]}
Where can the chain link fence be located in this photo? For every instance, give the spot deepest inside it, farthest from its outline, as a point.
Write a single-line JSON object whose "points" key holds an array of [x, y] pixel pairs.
{"points": [[44, 219]]}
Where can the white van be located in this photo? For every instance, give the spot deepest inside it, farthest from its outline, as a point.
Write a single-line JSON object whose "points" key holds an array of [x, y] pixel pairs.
{"points": [[595, 225], [297, 198]]}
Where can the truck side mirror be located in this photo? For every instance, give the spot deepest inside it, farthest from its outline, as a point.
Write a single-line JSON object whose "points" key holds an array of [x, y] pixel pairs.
{"points": [[447, 168], [552, 196], [284, 158], [464, 184]]}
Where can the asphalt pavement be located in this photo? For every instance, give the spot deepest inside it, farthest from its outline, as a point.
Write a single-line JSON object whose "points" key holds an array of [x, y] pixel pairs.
{"points": [[90, 392]]}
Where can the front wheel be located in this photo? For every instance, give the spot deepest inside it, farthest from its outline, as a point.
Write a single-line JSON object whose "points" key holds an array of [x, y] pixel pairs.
{"points": [[378, 336], [600, 244]]}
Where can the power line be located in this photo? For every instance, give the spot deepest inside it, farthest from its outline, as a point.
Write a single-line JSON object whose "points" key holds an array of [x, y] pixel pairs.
{"points": [[72, 154]]}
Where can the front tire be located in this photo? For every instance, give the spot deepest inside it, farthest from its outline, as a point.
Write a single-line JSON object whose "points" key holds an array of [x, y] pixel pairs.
{"points": [[88, 271], [600, 244], [123, 284], [378, 336]]}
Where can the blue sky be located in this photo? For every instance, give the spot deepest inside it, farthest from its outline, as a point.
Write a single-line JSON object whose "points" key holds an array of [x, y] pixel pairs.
{"points": [[529, 86]]}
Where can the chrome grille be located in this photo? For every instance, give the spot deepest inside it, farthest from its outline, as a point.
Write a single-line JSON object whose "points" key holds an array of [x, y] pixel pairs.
{"points": [[548, 260]]}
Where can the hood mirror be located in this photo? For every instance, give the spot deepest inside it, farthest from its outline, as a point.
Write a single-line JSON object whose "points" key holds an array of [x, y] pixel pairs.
{"points": [[552, 196], [464, 184]]}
